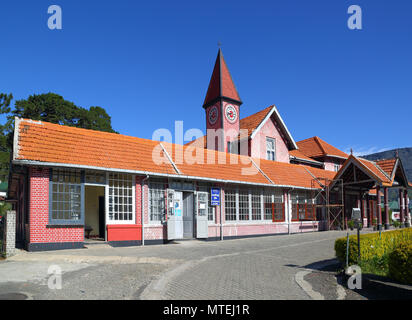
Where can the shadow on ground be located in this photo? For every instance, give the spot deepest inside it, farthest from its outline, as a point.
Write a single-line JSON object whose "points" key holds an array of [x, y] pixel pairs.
{"points": [[377, 288], [327, 274]]}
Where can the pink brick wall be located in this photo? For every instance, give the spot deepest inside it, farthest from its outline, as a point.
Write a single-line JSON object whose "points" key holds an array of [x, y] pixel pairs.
{"points": [[39, 212]]}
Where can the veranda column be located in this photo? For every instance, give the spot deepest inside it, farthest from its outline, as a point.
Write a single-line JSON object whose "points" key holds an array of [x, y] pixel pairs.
{"points": [[385, 192], [368, 211], [401, 208], [379, 208], [363, 210], [407, 217]]}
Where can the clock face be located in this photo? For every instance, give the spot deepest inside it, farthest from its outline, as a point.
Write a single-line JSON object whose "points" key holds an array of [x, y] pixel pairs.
{"points": [[212, 115], [230, 113]]}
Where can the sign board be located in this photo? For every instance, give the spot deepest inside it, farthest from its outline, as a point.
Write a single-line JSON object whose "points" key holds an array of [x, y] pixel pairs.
{"points": [[215, 197], [396, 216], [356, 214]]}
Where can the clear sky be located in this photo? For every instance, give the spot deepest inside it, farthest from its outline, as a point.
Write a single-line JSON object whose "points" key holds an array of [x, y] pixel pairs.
{"points": [[148, 63]]}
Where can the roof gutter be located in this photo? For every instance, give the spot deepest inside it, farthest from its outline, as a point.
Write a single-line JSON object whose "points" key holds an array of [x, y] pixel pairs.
{"points": [[305, 160], [156, 174]]}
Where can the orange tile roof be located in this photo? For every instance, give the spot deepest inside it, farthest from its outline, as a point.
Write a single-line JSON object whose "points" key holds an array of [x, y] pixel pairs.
{"points": [[321, 173], [289, 174], [373, 192], [374, 168], [47, 142], [51, 143], [253, 121], [298, 154], [198, 143], [387, 165], [230, 167], [315, 147]]}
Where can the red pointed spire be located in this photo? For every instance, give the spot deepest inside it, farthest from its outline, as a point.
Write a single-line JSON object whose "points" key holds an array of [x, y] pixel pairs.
{"points": [[221, 85]]}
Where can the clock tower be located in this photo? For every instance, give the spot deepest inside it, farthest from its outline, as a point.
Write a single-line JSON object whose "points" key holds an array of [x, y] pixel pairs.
{"points": [[221, 104]]}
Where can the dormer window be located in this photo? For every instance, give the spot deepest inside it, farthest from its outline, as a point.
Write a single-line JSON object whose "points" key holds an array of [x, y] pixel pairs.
{"points": [[270, 149]]}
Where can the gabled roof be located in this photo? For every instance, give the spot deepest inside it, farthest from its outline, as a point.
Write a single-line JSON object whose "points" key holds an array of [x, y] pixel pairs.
{"points": [[394, 169], [368, 167], [315, 147], [387, 165], [376, 170], [252, 122], [221, 84], [46, 144]]}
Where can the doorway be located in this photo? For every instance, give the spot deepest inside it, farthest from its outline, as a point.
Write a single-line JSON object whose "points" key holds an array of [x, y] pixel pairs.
{"points": [[94, 212], [188, 215]]}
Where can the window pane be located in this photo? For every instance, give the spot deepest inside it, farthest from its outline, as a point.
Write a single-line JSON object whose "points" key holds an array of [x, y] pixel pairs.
{"points": [[230, 205], [118, 197], [243, 205], [157, 200]]}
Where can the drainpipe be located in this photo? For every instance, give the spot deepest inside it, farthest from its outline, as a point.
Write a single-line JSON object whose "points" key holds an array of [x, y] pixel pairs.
{"points": [[142, 205], [289, 209]]}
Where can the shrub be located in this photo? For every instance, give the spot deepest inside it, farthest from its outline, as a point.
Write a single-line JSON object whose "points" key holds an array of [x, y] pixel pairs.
{"points": [[400, 263], [371, 246]]}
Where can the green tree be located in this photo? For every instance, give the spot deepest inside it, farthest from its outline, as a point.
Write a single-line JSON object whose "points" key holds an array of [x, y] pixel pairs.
{"points": [[5, 128], [49, 107], [54, 108]]}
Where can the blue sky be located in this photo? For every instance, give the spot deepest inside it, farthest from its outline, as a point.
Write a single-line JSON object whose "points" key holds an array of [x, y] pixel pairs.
{"points": [[148, 63]]}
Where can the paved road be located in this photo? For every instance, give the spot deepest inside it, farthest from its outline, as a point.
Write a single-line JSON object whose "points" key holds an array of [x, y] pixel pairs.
{"points": [[254, 268]]}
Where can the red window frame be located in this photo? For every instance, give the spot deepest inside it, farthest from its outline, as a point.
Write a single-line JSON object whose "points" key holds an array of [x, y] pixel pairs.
{"points": [[273, 212]]}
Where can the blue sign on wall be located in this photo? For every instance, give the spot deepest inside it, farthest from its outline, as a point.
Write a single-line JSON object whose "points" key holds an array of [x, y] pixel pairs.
{"points": [[215, 197]]}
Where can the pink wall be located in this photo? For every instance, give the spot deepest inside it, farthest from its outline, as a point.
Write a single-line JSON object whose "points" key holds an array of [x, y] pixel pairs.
{"points": [[39, 212], [231, 130], [258, 145], [330, 163]]}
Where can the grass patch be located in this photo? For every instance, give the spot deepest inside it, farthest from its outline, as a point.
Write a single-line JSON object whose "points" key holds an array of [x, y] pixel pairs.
{"points": [[377, 265]]}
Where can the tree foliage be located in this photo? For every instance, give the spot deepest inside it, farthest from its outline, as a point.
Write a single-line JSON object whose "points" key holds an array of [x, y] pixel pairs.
{"points": [[49, 107]]}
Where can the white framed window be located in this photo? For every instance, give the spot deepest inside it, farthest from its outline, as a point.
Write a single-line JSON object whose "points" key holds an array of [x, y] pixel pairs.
{"points": [[66, 197], [256, 205], [121, 198], [243, 204], [230, 205], [337, 167], [270, 149], [157, 201], [211, 214]]}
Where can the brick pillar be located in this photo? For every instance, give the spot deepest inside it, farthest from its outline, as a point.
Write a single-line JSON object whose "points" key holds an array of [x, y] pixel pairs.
{"points": [[385, 192], [9, 236], [407, 215], [378, 208]]}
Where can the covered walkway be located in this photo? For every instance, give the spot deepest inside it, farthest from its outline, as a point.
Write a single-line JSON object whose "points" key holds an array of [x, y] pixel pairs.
{"points": [[364, 184]]}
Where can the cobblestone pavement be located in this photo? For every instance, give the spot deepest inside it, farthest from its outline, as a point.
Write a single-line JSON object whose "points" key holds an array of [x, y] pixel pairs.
{"points": [[253, 268]]}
